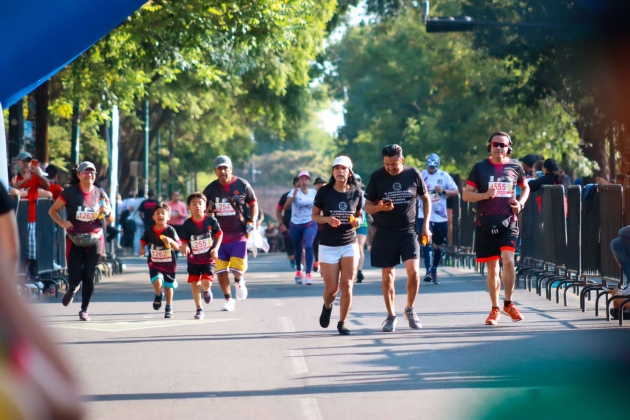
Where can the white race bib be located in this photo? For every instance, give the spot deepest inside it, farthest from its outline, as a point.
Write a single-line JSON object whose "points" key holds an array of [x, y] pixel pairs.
{"points": [[200, 246], [504, 189], [161, 255], [435, 197], [224, 209], [86, 215]]}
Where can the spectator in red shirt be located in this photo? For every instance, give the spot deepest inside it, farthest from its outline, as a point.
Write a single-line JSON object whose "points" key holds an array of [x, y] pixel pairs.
{"points": [[53, 179], [31, 178]]}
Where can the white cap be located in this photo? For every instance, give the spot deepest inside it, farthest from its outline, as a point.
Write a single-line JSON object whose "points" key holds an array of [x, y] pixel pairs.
{"points": [[343, 161]]}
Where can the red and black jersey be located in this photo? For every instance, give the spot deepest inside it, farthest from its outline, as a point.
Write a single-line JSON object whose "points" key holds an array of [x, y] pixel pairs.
{"points": [[160, 257], [82, 208], [505, 177], [219, 196], [200, 236]]}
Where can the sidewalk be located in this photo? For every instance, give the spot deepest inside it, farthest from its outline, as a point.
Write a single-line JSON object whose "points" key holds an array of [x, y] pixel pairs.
{"points": [[270, 359]]}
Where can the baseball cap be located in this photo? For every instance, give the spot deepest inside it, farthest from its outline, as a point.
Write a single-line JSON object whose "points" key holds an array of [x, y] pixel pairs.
{"points": [[24, 156], [343, 161], [529, 160], [357, 177], [319, 180], [84, 166], [222, 161], [304, 173]]}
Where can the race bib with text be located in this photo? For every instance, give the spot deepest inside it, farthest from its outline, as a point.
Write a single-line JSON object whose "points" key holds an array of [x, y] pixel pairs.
{"points": [[161, 255], [504, 189], [224, 209]]}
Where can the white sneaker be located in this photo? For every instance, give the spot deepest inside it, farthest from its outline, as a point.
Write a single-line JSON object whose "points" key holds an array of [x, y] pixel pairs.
{"points": [[241, 290], [229, 305]]}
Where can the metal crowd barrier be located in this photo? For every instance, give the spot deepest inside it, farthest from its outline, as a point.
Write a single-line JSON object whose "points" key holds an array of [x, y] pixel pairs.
{"points": [[453, 248]]}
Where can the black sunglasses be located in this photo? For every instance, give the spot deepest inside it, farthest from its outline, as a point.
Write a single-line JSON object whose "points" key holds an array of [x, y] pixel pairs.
{"points": [[501, 145]]}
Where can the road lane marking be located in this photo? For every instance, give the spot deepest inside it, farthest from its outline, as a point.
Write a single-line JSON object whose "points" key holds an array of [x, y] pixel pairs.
{"points": [[286, 325], [298, 363], [117, 326], [310, 409]]}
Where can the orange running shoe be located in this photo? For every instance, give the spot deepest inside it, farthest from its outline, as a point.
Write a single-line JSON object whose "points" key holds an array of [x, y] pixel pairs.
{"points": [[513, 313], [493, 318]]}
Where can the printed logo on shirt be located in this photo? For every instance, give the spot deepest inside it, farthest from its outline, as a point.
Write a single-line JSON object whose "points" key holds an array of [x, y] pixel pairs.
{"points": [[397, 186], [440, 182], [343, 206]]}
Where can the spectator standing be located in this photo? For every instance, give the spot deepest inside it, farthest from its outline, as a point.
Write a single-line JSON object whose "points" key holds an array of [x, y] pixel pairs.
{"points": [[551, 176], [528, 162], [53, 178], [179, 212]]}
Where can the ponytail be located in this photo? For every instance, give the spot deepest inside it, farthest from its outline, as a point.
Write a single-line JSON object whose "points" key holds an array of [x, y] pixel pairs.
{"points": [[74, 175]]}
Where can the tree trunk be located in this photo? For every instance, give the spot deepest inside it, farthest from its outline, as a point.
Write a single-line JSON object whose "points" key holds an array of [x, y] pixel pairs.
{"points": [[41, 123]]}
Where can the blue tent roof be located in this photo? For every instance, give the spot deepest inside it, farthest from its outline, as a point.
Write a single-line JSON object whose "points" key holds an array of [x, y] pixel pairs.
{"points": [[40, 37]]}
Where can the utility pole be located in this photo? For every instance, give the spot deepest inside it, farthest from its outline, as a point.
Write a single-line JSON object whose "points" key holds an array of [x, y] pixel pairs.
{"points": [[41, 123], [146, 145], [171, 155], [76, 134], [16, 128], [158, 181]]}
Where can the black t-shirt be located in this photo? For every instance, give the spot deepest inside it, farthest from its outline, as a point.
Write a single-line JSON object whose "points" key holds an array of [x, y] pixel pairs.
{"points": [[340, 206], [6, 203], [146, 209], [506, 177], [82, 208], [160, 257], [243, 196], [286, 216], [200, 237], [535, 184], [404, 190]]}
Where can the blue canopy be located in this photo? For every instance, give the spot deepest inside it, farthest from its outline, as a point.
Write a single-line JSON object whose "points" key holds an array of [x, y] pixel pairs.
{"points": [[40, 37]]}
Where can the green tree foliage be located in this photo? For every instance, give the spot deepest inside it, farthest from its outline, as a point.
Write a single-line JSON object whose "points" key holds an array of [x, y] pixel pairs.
{"points": [[224, 72], [436, 93]]}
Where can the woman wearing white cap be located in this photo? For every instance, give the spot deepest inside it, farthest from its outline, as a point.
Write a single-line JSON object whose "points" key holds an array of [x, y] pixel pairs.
{"points": [[86, 205], [338, 207], [302, 229]]}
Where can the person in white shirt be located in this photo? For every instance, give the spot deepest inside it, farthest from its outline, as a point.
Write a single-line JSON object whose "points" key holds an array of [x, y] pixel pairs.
{"points": [[302, 229], [440, 186]]}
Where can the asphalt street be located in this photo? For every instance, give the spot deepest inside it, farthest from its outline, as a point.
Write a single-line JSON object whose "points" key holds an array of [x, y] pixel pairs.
{"points": [[269, 359]]}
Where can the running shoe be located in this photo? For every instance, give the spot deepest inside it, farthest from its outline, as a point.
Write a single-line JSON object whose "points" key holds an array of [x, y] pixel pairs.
{"points": [[513, 313], [316, 266], [200, 314], [434, 276], [493, 318], [241, 289], [427, 277], [309, 279], [342, 328], [360, 276], [83, 316], [324, 318], [389, 325], [298, 277], [168, 313], [412, 317], [229, 305], [292, 264], [69, 296], [157, 302], [207, 296]]}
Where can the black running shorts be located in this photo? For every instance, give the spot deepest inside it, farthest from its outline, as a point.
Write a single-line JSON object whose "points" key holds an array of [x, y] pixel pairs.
{"points": [[388, 248], [199, 269], [439, 231], [489, 247]]}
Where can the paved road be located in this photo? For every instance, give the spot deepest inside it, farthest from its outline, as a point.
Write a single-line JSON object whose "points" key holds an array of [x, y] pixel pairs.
{"points": [[270, 359]]}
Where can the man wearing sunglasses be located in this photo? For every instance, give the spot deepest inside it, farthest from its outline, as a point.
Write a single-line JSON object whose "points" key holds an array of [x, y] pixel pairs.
{"points": [[492, 185]]}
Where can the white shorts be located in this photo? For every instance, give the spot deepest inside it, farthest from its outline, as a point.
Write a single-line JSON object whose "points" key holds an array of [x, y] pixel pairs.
{"points": [[332, 254]]}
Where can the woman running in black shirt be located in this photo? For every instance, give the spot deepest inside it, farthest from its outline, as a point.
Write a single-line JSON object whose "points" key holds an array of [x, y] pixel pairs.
{"points": [[338, 206]]}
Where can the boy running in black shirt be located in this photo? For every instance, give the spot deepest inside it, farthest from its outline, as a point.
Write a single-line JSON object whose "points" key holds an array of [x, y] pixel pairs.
{"points": [[201, 236], [163, 243]]}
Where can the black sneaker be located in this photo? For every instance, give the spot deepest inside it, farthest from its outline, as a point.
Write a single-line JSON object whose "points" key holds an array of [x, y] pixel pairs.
{"points": [[614, 314], [69, 296], [427, 277], [324, 318], [83, 316], [168, 313], [342, 329], [157, 302], [360, 276]]}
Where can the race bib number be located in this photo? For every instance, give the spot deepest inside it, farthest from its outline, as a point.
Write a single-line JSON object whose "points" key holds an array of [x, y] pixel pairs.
{"points": [[200, 246], [504, 189], [86, 215], [161, 255], [435, 197], [225, 209]]}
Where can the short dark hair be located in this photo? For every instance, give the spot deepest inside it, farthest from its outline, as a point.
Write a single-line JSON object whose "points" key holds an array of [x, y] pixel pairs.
{"points": [[151, 194], [164, 207], [538, 165], [296, 179], [52, 171], [392, 150], [196, 194], [502, 134]]}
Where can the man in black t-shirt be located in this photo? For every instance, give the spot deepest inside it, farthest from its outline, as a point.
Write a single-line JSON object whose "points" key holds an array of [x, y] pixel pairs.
{"points": [[492, 185], [146, 209], [391, 197], [284, 220]]}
